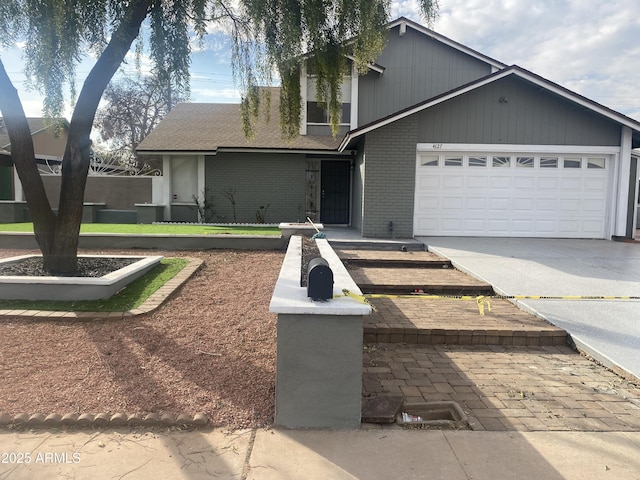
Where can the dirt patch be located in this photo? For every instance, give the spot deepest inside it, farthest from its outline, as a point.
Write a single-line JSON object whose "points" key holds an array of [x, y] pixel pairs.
{"points": [[209, 349]]}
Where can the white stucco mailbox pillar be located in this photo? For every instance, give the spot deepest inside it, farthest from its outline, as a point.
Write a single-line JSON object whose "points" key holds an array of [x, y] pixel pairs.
{"points": [[319, 348]]}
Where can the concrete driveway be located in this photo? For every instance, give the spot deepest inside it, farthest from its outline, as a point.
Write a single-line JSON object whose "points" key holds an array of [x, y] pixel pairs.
{"points": [[608, 330]]}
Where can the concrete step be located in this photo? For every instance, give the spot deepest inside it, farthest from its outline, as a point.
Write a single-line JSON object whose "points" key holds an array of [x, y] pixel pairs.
{"points": [[392, 259], [380, 245], [401, 281], [457, 322]]}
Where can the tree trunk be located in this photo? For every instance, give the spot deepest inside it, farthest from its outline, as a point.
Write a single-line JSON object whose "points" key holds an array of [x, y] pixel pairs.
{"points": [[24, 160], [58, 235]]}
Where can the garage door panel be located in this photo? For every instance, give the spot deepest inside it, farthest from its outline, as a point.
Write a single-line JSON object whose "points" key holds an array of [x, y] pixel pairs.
{"points": [[500, 182], [452, 224], [511, 200], [527, 204], [595, 184], [591, 227], [522, 226], [428, 203], [453, 181], [570, 205], [547, 183], [546, 226], [428, 224], [574, 184], [498, 226], [500, 204], [593, 206], [476, 203], [546, 204], [478, 182], [452, 203], [568, 227], [429, 182], [525, 183], [476, 226]]}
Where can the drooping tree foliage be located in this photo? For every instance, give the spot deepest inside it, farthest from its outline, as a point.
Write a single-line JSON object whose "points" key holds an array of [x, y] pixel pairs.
{"points": [[270, 38]]}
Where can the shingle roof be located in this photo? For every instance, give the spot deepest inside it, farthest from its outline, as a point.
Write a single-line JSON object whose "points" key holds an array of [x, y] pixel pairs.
{"points": [[35, 125], [208, 127]]}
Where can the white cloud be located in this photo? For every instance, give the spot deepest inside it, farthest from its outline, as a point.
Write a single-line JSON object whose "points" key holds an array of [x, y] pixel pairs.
{"points": [[588, 47]]}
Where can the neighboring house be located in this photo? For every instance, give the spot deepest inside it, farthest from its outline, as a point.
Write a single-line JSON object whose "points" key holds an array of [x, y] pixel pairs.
{"points": [[437, 139], [49, 142]]}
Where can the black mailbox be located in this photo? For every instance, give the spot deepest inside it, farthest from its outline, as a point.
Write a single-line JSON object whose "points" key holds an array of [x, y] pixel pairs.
{"points": [[319, 279]]}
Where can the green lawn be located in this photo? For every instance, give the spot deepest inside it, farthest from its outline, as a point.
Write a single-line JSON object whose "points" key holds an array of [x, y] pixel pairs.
{"points": [[160, 229], [130, 297]]}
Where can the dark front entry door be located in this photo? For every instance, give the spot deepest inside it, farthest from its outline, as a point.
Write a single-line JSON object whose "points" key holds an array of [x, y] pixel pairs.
{"points": [[335, 180]]}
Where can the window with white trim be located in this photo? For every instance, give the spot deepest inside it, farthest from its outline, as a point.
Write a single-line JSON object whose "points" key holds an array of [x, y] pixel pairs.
{"points": [[429, 160], [317, 113], [548, 162], [453, 161], [596, 162], [475, 161], [501, 162], [572, 162], [524, 162]]}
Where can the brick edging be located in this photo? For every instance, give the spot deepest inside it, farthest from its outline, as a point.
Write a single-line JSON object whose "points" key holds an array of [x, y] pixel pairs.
{"points": [[88, 420], [150, 304]]}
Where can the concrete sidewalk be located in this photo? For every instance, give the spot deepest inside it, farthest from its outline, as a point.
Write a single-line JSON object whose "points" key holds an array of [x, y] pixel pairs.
{"points": [[378, 453], [608, 330]]}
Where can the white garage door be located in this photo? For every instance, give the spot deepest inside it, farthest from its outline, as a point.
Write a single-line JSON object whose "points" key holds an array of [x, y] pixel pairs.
{"points": [[510, 194]]}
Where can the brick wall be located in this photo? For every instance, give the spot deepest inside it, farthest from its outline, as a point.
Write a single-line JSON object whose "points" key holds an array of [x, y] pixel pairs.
{"points": [[390, 156]]}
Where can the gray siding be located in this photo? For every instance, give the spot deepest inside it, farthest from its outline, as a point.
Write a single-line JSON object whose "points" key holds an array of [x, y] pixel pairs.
{"points": [[277, 180], [526, 115], [319, 130], [390, 156], [417, 68]]}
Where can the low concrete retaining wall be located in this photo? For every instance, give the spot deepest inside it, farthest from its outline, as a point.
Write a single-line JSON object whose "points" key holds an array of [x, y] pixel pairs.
{"points": [[319, 348], [73, 288], [157, 242]]}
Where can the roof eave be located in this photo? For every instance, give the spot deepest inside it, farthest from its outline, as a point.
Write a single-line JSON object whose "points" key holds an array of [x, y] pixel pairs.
{"points": [[321, 151]]}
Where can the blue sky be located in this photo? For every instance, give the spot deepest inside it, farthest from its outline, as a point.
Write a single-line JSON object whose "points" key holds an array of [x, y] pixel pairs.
{"points": [[588, 46]]}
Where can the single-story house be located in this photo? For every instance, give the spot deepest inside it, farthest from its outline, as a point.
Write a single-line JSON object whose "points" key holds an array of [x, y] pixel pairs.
{"points": [[436, 139], [49, 142]]}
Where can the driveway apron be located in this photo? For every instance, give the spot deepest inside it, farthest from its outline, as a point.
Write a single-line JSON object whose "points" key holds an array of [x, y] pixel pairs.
{"points": [[608, 330]]}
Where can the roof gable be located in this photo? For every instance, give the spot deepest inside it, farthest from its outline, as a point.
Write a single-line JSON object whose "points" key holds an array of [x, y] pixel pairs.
{"points": [[36, 125], [515, 71], [404, 23]]}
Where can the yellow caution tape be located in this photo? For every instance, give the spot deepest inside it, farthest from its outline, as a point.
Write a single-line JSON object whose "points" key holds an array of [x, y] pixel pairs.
{"points": [[355, 296], [482, 301], [566, 297]]}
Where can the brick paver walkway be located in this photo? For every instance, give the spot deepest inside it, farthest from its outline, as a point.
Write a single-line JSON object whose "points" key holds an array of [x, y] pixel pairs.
{"points": [[507, 388], [507, 369], [423, 321]]}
